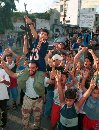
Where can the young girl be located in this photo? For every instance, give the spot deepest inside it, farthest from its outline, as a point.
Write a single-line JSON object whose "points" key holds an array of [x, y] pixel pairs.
{"points": [[70, 109]]}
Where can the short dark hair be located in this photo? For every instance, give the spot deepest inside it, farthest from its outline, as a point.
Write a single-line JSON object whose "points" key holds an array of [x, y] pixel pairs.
{"points": [[70, 93], [65, 73], [9, 55], [89, 58], [45, 30], [34, 62]]}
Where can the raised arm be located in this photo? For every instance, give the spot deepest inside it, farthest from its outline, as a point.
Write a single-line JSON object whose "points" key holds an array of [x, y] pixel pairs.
{"points": [[93, 55], [85, 95], [25, 46], [49, 54], [83, 49], [59, 86], [17, 57], [31, 25], [9, 50]]}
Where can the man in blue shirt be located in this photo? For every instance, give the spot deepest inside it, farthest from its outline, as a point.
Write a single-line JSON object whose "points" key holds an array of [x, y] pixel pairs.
{"points": [[75, 46], [87, 38]]}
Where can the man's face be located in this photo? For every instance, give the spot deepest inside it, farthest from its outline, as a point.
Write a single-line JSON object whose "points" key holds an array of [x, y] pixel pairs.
{"points": [[43, 35], [9, 59], [32, 68]]}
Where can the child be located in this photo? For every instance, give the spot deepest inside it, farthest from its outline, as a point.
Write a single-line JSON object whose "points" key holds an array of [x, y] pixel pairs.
{"points": [[91, 108], [55, 114], [70, 109]]}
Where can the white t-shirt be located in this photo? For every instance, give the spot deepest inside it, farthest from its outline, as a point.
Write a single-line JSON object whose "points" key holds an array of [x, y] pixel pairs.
{"points": [[30, 92], [56, 97], [3, 87]]}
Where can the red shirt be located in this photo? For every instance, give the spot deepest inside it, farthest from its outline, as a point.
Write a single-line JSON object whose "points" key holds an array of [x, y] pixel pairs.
{"points": [[13, 82]]}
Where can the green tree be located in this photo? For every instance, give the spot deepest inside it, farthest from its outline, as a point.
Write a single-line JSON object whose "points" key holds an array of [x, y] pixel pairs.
{"points": [[6, 10]]}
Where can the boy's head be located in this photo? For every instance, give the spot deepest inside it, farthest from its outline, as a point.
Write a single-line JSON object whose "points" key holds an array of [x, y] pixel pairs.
{"points": [[9, 58], [87, 62], [70, 96], [44, 34], [69, 56], [64, 76], [57, 59], [95, 92]]}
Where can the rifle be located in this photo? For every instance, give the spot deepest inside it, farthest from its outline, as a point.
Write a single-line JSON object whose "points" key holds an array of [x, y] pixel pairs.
{"points": [[27, 30]]}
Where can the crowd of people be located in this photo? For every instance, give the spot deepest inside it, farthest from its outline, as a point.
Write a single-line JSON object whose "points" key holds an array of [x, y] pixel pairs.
{"points": [[61, 84]]}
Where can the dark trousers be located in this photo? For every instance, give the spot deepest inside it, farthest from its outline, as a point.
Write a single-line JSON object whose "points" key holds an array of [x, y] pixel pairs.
{"points": [[21, 96], [80, 121], [3, 107]]}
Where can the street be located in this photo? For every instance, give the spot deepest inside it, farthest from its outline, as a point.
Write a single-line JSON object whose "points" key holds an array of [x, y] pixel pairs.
{"points": [[15, 122]]}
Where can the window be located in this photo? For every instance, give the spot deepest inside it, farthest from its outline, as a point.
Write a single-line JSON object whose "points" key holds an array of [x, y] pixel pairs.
{"points": [[92, 9], [67, 21], [61, 8], [96, 19]]}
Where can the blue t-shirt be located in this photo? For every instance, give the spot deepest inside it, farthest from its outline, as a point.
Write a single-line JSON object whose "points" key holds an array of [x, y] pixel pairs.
{"points": [[75, 46], [38, 56], [87, 38], [91, 108]]}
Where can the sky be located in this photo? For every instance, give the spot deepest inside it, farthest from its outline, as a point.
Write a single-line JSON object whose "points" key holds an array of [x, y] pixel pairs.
{"points": [[34, 5]]}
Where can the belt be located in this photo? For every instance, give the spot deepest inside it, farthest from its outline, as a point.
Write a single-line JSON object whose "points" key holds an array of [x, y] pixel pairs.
{"points": [[35, 97]]}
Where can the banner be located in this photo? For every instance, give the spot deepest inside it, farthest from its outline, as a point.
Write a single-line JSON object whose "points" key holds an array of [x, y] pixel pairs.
{"points": [[90, 4], [87, 20]]}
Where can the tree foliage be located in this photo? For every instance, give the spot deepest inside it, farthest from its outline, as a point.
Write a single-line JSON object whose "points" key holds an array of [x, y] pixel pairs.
{"points": [[44, 15], [6, 11]]}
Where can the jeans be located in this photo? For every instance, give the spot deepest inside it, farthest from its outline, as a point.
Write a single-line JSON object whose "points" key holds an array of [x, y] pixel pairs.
{"points": [[13, 92], [49, 103]]}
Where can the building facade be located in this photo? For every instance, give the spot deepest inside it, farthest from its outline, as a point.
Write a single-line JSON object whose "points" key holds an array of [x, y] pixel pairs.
{"points": [[69, 11]]}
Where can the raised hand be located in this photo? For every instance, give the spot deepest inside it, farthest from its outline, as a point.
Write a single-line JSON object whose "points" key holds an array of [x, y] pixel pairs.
{"points": [[52, 74], [58, 76], [6, 51], [86, 74], [93, 83], [28, 20], [2, 64], [90, 50], [83, 48]]}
